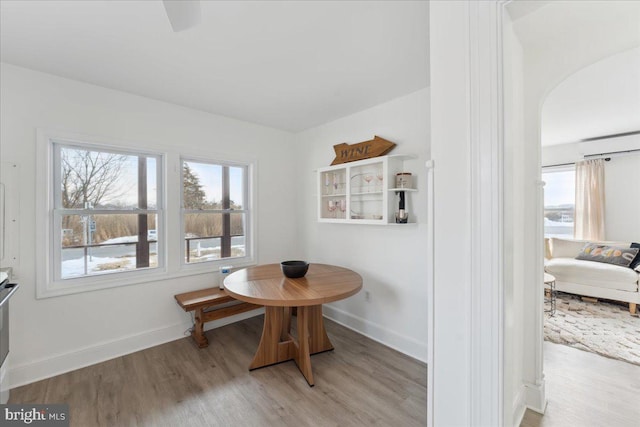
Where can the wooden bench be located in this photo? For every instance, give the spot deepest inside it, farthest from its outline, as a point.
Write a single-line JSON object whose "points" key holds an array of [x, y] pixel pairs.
{"points": [[202, 300]]}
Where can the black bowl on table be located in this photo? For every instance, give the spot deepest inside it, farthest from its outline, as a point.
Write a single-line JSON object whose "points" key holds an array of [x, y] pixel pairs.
{"points": [[294, 269]]}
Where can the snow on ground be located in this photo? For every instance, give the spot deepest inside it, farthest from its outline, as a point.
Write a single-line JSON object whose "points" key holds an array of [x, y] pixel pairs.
{"points": [[95, 265], [127, 260], [123, 239]]}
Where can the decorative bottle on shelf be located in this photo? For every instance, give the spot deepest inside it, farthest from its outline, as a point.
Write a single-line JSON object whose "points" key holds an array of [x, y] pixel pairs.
{"points": [[401, 216]]}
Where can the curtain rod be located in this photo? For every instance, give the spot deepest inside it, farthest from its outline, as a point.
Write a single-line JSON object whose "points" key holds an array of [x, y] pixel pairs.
{"points": [[611, 153], [573, 163], [600, 155]]}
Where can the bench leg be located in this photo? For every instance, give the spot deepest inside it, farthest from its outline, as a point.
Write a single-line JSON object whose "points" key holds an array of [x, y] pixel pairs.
{"points": [[632, 307], [198, 330]]}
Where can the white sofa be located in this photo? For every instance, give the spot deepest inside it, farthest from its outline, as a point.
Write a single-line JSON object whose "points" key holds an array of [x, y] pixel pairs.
{"points": [[590, 278]]}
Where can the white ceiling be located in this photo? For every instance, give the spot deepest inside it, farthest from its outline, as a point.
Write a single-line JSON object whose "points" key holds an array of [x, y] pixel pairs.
{"points": [[287, 65], [521, 8], [604, 97], [543, 25], [601, 99]]}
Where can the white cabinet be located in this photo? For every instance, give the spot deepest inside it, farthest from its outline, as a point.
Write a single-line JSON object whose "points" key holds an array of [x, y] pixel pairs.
{"points": [[361, 192]]}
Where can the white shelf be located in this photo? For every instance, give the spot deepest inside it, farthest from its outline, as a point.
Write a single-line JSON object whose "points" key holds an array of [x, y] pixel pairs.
{"points": [[403, 157], [368, 193], [404, 189], [349, 177]]}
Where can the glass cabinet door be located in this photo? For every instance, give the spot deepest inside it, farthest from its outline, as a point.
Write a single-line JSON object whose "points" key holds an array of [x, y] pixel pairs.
{"points": [[367, 191], [333, 194]]}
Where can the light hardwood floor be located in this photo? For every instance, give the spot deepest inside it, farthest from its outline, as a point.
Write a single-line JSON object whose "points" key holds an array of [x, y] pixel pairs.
{"points": [[361, 382], [587, 390]]}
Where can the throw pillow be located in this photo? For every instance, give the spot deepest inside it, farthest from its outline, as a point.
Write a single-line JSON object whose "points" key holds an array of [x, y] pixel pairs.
{"points": [[608, 254], [636, 261]]}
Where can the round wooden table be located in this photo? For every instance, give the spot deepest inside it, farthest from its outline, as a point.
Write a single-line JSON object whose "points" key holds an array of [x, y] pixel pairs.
{"points": [[266, 285]]}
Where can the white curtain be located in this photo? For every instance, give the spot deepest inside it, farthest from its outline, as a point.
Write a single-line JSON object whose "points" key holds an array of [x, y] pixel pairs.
{"points": [[589, 220]]}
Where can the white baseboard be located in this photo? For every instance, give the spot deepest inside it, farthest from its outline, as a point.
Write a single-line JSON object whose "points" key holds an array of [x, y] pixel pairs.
{"points": [[59, 364], [519, 407], [409, 346], [535, 397]]}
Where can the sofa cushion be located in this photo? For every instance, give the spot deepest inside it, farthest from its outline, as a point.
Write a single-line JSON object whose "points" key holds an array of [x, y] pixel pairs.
{"points": [[593, 274], [565, 248], [570, 248], [608, 254]]}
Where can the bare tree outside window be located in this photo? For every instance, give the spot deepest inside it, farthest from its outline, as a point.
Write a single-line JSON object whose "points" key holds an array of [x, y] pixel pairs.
{"points": [[90, 177]]}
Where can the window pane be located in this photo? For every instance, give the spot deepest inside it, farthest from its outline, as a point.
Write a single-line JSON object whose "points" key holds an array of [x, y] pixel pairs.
{"points": [[213, 235], [236, 187], [99, 244], [104, 180], [202, 249], [238, 242], [559, 203], [201, 185], [152, 185], [204, 236], [203, 225]]}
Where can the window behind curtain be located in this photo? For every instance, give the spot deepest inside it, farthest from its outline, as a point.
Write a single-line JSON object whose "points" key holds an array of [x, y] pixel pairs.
{"points": [[214, 201], [559, 202]]}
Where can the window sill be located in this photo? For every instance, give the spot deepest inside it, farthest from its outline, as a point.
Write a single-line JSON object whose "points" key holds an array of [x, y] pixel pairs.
{"points": [[97, 283], [212, 266]]}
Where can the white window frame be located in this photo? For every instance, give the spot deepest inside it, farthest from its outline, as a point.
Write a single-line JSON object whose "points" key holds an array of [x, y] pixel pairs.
{"points": [[249, 207], [48, 214]]}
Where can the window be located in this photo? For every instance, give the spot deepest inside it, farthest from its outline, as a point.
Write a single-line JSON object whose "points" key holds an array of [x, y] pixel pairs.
{"points": [[215, 211], [102, 219], [559, 201], [105, 211]]}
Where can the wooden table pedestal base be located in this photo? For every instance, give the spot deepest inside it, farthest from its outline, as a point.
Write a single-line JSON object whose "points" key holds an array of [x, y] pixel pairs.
{"points": [[278, 345]]}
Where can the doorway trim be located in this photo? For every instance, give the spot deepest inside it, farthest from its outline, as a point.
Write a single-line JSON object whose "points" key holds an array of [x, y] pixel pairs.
{"points": [[467, 150]]}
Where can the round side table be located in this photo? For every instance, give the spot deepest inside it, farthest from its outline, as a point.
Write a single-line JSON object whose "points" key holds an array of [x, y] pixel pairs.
{"points": [[550, 293]]}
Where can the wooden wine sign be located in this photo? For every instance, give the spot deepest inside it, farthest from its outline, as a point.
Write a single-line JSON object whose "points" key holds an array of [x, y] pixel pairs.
{"points": [[363, 150]]}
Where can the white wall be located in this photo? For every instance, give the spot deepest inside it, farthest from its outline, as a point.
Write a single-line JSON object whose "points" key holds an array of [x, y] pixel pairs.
{"points": [[391, 259], [52, 335], [514, 225], [449, 35], [621, 175], [467, 151]]}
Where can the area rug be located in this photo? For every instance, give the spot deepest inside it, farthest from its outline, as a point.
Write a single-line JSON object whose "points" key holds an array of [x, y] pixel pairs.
{"points": [[604, 328]]}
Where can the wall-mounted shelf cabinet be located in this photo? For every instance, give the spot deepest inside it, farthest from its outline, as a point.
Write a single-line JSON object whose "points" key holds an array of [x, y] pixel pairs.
{"points": [[361, 192]]}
